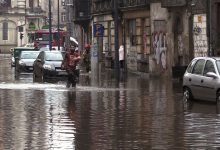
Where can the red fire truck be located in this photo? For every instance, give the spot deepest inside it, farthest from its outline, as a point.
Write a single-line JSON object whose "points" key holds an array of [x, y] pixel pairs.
{"points": [[40, 37]]}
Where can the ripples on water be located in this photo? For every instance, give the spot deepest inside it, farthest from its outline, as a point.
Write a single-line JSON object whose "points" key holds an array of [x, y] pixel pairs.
{"points": [[140, 114]]}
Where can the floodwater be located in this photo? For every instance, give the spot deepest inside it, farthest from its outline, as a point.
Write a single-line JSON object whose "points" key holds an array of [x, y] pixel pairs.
{"points": [[138, 114]]}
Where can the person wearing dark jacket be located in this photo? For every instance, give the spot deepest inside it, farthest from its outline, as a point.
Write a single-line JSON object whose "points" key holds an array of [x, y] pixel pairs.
{"points": [[86, 57], [69, 63]]}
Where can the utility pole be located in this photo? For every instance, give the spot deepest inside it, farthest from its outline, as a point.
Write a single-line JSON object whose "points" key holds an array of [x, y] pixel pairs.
{"points": [[209, 27], [50, 26], [68, 24], [117, 71], [58, 23]]}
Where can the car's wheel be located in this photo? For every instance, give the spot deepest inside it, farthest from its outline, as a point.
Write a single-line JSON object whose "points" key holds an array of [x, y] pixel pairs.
{"points": [[187, 95]]}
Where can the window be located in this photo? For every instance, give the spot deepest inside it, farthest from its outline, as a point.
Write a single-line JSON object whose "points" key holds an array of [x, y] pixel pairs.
{"points": [[189, 68], [5, 31], [198, 68], [63, 17], [31, 4], [54, 57], [218, 66], [132, 31], [209, 67]]}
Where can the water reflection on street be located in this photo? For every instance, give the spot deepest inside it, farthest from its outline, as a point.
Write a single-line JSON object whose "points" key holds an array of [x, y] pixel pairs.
{"points": [[140, 113]]}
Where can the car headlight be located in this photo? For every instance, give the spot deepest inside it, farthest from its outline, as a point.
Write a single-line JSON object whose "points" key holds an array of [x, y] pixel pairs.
{"points": [[48, 67], [21, 63]]}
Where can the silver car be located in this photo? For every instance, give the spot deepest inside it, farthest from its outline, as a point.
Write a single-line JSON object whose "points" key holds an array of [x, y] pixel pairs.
{"points": [[26, 60], [202, 79], [48, 65]]}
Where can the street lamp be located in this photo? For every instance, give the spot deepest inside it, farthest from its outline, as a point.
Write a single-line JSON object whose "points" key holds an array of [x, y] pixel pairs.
{"points": [[209, 26], [58, 23], [115, 16], [68, 24], [50, 32]]}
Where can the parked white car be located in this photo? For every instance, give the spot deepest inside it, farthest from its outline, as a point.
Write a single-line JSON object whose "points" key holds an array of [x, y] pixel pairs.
{"points": [[202, 79]]}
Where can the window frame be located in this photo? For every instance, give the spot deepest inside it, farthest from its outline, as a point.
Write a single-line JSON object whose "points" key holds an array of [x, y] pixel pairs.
{"points": [[132, 31], [5, 31], [207, 61], [202, 67], [63, 16], [191, 65]]}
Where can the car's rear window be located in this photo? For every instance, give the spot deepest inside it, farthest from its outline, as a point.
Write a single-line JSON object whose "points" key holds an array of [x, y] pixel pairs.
{"points": [[31, 55], [190, 66], [54, 57]]}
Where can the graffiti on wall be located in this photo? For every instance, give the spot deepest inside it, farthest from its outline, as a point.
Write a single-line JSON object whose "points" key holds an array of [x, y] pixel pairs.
{"points": [[199, 35], [132, 58], [159, 48]]}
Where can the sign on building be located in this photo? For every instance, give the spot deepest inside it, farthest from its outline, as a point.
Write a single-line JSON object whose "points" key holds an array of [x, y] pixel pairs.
{"points": [[98, 30]]}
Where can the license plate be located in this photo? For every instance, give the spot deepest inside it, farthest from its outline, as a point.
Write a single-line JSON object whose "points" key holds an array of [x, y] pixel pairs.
{"points": [[62, 73]]}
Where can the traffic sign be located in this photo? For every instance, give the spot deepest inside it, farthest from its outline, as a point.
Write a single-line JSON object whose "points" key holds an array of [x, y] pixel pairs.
{"points": [[98, 30]]}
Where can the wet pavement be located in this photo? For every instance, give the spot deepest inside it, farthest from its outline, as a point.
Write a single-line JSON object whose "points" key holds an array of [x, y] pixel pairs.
{"points": [[138, 114]]}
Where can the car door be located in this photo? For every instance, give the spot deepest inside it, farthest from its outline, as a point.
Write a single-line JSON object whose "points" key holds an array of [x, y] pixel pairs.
{"points": [[208, 83], [196, 78]]}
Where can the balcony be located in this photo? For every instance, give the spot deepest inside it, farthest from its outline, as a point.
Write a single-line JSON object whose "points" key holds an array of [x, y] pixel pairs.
{"points": [[133, 3], [103, 6], [81, 11], [173, 3], [35, 12], [4, 6]]}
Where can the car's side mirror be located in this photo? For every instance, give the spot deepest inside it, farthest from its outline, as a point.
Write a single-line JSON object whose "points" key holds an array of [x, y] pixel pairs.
{"points": [[211, 74]]}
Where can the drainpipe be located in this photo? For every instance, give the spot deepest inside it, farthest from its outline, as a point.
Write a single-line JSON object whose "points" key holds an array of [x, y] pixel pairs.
{"points": [[209, 27]]}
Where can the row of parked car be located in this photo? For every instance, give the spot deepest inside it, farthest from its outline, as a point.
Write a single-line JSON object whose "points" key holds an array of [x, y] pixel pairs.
{"points": [[42, 63]]}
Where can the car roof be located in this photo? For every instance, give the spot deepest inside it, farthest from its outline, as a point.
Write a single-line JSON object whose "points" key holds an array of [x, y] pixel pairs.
{"points": [[53, 51], [44, 48], [30, 51], [215, 58], [24, 48]]}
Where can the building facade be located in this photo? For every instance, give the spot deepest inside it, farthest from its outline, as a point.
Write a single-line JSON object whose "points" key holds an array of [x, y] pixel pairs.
{"points": [[18, 18], [133, 32], [160, 37], [191, 30]]}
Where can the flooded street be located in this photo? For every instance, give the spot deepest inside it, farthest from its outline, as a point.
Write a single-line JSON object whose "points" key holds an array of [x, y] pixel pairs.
{"points": [[140, 114]]}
